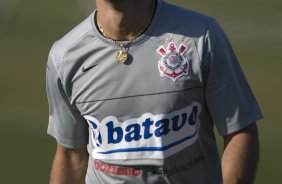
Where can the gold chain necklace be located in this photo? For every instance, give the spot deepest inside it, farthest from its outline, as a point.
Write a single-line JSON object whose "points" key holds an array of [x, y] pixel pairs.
{"points": [[122, 54]]}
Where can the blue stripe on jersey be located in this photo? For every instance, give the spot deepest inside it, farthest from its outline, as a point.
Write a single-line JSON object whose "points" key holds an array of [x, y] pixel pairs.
{"points": [[151, 148]]}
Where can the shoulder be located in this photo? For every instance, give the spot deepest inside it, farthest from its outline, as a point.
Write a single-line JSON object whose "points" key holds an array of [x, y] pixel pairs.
{"points": [[187, 21], [62, 46]]}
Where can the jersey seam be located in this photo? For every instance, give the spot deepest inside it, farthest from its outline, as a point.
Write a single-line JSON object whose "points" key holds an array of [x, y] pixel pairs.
{"points": [[153, 25], [197, 49], [229, 129], [142, 38], [201, 58], [71, 45], [132, 96], [55, 67], [63, 60], [202, 65]]}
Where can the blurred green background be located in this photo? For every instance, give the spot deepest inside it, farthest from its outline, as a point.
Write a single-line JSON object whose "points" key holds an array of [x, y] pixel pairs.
{"points": [[29, 27]]}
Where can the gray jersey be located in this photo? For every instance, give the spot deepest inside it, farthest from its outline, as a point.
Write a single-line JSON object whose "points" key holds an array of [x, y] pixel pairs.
{"points": [[151, 119]]}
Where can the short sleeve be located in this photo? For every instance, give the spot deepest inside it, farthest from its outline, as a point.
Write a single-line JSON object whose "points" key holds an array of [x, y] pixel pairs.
{"points": [[66, 124], [229, 99]]}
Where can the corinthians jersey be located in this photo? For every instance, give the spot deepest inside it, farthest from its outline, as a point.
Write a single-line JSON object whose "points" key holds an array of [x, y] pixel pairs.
{"points": [[151, 119]]}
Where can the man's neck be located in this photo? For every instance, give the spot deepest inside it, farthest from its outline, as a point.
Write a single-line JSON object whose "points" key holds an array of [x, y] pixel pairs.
{"points": [[123, 19]]}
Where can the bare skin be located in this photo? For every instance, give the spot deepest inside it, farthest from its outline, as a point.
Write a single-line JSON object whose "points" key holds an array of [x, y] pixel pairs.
{"points": [[69, 166], [123, 19], [240, 157], [239, 160]]}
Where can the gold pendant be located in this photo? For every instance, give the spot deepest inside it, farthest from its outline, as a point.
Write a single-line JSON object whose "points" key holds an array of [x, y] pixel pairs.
{"points": [[121, 56]]}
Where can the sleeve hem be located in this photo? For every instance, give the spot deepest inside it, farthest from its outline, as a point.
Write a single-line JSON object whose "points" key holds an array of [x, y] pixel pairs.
{"points": [[239, 126], [65, 142]]}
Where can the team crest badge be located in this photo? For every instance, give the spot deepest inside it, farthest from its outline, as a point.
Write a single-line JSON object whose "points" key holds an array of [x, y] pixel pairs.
{"points": [[173, 64]]}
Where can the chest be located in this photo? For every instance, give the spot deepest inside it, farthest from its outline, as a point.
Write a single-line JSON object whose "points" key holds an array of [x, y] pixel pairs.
{"points": [[156, 78]]}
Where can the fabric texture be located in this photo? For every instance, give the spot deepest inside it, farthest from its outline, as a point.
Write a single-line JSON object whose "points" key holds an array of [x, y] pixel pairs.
{"points": [[150, 120]]}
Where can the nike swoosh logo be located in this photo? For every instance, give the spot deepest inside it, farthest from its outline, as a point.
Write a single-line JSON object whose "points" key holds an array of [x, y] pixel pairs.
{"points": [[88, 68]]}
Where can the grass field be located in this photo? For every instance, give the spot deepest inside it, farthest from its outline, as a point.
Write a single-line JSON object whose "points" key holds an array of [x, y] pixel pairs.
{"points": [[254, 28]]}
